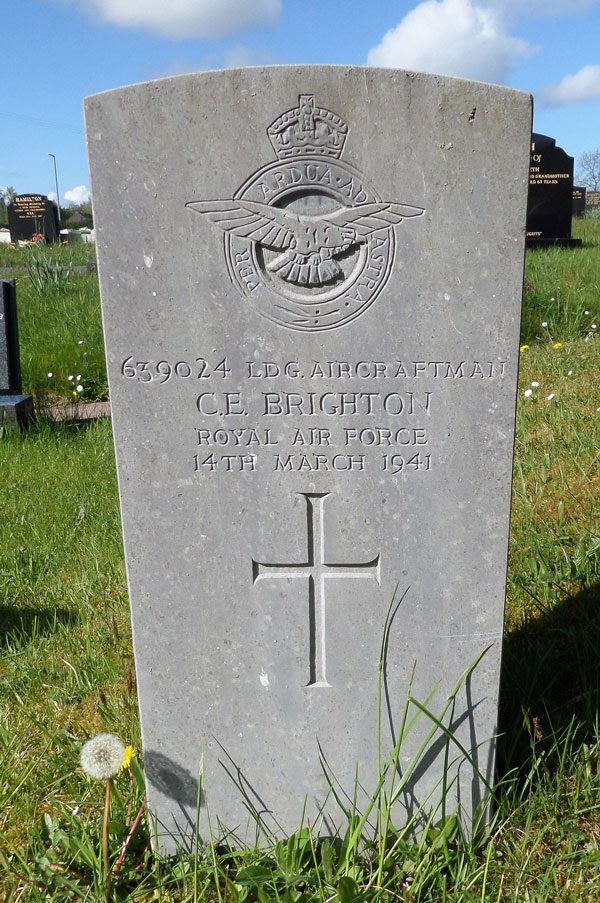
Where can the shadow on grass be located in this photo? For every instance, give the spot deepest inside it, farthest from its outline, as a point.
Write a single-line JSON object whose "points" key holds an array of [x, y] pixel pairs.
{"points": [[550, 678], [22, 625]]}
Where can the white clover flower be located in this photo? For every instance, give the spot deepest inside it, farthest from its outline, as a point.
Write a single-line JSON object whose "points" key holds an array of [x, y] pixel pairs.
{"points": [[528, 392], [79, 388], [102, 756], [551, 396], [535, 384]]}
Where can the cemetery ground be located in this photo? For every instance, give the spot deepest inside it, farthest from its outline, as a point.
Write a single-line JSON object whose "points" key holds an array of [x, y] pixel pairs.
{"points": [[66, 661]]}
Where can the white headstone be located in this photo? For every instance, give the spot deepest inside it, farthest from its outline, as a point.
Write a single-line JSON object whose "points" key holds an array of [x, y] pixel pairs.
{"points": [[311, 282]]}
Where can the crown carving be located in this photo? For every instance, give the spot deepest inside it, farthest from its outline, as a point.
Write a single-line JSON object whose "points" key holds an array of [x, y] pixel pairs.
{"points": [[307, 130]]}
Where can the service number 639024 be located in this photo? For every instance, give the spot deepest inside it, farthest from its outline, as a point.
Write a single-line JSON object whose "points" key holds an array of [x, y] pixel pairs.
{"points": [[163, 371]]}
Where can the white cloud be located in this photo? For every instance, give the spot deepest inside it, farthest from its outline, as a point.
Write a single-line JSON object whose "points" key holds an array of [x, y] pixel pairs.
{"points": [[77, 195], [584, 85], [452, 37], [184, 18]]}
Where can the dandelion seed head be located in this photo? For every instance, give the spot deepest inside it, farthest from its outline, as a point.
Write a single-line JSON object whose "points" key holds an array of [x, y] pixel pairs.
{"points": [[70, 378], [50, 375], [78, 377], [79, 388], [101, 757], [570, 373], [528, 392], [594, 326], [587, 313], [544, 323], [553, 299]]}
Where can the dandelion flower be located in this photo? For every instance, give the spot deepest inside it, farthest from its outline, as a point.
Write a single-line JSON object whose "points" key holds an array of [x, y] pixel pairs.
{"points": [[523, 347], [101, 757], [128, 755], [551, 396], [535, 384], [79, 388], [528, 393], [557, 345]]}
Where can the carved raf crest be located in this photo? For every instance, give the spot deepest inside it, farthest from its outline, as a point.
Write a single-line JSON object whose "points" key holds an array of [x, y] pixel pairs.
{"points": [[307, 240]]}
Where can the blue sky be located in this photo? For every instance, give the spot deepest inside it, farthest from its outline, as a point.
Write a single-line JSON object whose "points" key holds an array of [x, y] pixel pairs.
{"points": [[56, 52]]}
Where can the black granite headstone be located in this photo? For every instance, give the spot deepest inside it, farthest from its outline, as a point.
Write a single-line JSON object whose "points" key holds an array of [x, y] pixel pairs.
{"points": [[31, 216], [549, 208], [579, 193], [15, 408]]}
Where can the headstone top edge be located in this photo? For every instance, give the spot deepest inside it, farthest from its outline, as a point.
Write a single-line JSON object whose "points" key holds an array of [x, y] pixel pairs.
{"points": [[209, 74]]}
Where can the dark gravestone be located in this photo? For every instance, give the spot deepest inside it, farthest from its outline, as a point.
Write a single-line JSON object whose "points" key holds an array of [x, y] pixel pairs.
{"points": [[550, 201], [31, 215], [579, 193], [15, 408]]}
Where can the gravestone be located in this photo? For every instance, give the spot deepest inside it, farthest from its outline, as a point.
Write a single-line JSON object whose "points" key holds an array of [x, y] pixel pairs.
{"points": [[592, 200], [550, 202], [15, 408], [579, 192], [32, 216], [311, 282]]}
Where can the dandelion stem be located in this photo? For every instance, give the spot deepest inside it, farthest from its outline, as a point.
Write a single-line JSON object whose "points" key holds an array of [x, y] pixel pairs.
{"points": [[130, 834], [107, 881]]}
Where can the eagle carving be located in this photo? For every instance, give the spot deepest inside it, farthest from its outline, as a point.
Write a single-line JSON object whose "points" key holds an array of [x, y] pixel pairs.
{"points": [[308, 244]]}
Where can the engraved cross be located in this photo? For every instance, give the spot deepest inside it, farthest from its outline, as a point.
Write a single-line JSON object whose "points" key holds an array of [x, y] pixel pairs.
{"points": [[317, 571]]}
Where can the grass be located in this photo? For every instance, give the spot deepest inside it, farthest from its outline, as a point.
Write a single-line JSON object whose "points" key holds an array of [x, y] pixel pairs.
{"points": [[66, 664]]}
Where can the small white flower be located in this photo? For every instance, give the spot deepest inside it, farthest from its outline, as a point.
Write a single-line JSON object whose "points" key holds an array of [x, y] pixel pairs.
{"points": [[50, 375], [594, 326], [102, 756], [570, 373], [535, 384], [544, 323], [79, 388], [587, 313], [78, 377], [528, 392], [551, 396], [552, 299], [80, 342], [587, 338], [70, 378], [597, 409]]}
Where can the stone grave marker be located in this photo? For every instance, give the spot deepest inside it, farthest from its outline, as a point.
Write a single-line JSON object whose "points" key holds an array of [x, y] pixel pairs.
{"points": [[31, 215], [550, 203], [579, 192], [15, 408], [592, 200], [311, 281]]}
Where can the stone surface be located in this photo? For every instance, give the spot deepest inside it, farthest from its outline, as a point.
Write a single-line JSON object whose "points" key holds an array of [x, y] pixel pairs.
{"points": [[312, 417], [30, 215], [579, 192], [550, 203]]}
